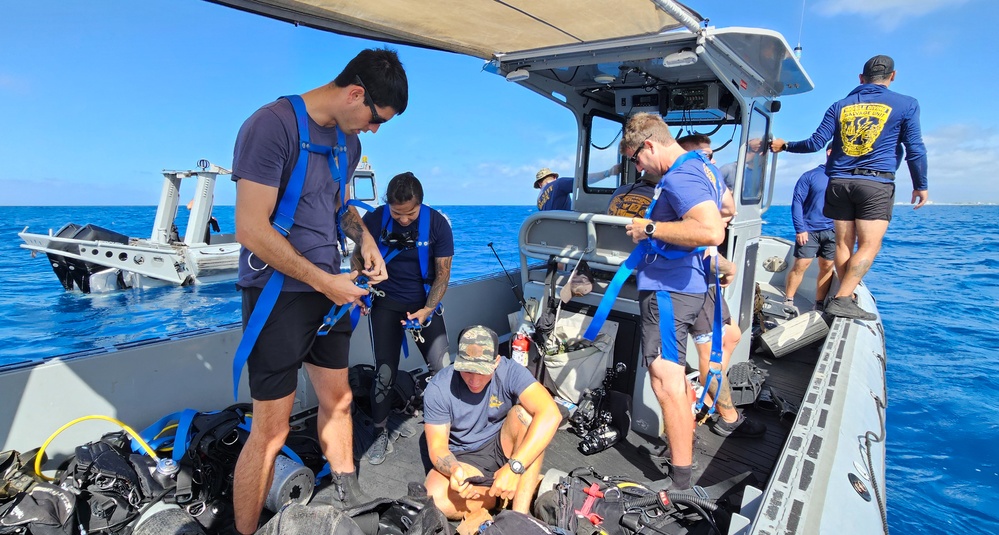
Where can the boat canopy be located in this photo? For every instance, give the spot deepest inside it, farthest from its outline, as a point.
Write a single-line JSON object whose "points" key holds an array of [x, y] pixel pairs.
{"points": [[480, 28]]}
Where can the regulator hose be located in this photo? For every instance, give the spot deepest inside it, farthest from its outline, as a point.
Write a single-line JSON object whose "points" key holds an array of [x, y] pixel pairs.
{"points": [[126, 428]]}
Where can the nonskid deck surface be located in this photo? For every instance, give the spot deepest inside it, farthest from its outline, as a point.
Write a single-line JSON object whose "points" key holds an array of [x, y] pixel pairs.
{"points": [[716, 458]]}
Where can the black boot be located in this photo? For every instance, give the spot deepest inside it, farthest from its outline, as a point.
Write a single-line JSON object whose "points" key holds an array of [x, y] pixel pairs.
{"points": [[346, 491]]}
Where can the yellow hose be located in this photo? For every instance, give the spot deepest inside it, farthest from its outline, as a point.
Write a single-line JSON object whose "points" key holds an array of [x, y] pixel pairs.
{"points": [[129, 430]]}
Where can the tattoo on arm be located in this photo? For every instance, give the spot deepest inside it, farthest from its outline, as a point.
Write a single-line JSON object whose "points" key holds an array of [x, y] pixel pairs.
{"points": [[445, 464], [522, 416], [352, 225], [439, 286]]}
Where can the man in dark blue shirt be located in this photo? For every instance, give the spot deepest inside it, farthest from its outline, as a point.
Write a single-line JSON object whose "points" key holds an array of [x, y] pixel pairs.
{"points": [[866, 128], [556, 193], [814, 235]]}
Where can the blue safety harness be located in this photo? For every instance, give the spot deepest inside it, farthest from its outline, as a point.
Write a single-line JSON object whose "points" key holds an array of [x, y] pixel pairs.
{"points": [[655, 247], [284, 218], [423, 251]]}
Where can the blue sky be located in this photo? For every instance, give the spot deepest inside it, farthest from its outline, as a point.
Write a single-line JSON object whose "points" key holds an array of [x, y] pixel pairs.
{"points": [[96, 97]]}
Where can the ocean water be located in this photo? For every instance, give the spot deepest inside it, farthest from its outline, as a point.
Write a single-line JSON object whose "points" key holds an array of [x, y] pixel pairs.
{"points": [[936, 281]]}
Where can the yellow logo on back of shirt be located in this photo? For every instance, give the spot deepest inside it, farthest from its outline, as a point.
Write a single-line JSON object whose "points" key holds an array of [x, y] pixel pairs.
{"points": [[860, 125], [494, 402], [629, 205]]}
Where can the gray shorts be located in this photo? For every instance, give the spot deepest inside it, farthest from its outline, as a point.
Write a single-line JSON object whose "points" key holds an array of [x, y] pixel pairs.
{"points": [[821, 243], [683, 308], [704, 324], [488, 459]]}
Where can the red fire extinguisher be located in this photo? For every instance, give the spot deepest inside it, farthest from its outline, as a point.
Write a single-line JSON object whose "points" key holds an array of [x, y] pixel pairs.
{"points": [[520, 348]]}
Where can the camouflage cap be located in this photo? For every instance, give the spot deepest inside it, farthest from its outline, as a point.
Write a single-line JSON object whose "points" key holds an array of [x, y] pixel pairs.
{"points": [[477, 349]]}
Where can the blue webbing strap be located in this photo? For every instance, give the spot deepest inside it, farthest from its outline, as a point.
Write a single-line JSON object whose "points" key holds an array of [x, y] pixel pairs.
{"points": [[631, 263], [667, 328], [423, 250], [284, 219], [714, 372]]}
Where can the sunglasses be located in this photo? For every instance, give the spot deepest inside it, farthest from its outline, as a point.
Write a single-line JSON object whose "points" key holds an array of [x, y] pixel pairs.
{"points": [[634, 157], [375, 118]]}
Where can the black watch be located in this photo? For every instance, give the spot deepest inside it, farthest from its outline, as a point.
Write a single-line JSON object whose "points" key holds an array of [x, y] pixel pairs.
{"points": [[650, 229], [516, 466]]}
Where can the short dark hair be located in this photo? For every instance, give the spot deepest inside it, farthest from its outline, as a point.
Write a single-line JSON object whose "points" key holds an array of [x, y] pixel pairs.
{"points": [[694, 141], [383, 75], [404, 187]]}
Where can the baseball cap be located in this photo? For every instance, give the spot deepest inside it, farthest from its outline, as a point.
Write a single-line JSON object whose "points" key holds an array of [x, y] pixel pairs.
{"points": [[879, 65], [477, 350], [541, 175]]}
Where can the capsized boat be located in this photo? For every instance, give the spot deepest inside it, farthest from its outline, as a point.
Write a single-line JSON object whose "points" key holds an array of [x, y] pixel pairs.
{"points": [[94, 259], [820, 466]]}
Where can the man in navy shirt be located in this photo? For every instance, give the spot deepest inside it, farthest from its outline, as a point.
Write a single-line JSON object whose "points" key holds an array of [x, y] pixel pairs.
{"points": [[672, 290], [814, 235], [556, 193], [487, 422], [866, 128]]}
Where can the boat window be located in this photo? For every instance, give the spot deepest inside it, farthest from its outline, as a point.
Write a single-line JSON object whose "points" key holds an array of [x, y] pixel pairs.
{"points": [[364, 189], [603, 160], [754, 168]]}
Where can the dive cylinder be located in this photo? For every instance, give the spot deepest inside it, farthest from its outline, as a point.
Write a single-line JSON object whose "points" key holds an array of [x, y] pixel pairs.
{"points": [[293, 482]]}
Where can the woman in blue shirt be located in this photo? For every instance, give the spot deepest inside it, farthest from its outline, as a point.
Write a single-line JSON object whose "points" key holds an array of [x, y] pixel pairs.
{"points": [[417, 244]]}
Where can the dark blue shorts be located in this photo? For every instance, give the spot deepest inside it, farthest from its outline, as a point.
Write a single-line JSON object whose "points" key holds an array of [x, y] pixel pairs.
{"points": [[820, 243]]}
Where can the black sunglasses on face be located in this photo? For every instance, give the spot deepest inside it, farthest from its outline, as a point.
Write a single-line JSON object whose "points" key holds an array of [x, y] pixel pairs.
{"points": [[634, 157], [375, 118]]}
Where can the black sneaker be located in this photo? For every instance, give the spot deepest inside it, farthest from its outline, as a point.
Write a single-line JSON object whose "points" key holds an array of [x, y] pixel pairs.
{"points": [[741, 428], [844, 307], [380, 448]]}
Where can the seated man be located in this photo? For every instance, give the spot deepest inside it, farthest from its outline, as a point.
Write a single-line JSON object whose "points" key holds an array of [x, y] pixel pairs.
{"points": [[470, 436]]}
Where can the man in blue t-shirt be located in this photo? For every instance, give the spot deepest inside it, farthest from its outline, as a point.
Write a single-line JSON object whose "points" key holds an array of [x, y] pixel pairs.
{"points": [[370, 90], [479, 453], [813, 235], [556, 193], [866, 128], [672, 291]]}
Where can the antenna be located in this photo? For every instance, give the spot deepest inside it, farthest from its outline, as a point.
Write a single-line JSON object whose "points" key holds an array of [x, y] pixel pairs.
{"points": [[801, 24]]}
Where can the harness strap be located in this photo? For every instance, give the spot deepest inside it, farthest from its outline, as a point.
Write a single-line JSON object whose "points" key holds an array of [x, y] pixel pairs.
{"points": [[643, 248], [423, 251], [284, 219]]}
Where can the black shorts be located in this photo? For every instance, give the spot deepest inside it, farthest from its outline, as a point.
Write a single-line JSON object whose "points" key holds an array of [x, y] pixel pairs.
{"points": [[685, 308], [488, 459], [849, 199], [705, 322], [288, 339], [820, 243]]}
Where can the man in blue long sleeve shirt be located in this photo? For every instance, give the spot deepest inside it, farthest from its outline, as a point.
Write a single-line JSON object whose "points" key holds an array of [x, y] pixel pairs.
{"points": [[866, 128], [814, 236], [556, 193]]}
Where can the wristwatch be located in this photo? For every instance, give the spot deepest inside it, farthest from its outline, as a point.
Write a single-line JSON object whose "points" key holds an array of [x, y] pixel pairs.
{"points": [[650, 229], [516, 466]]}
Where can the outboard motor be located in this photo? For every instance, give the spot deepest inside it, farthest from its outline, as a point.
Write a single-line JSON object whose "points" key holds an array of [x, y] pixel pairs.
{"points": [[79, 270], [60, 264]]}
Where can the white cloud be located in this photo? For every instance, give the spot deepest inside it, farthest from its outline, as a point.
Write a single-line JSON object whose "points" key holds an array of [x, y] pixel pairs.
{"points": [[890, 12]]}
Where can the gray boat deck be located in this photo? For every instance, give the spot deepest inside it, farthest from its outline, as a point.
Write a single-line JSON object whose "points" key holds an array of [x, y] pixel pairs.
{"points": [[637, 457]]}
